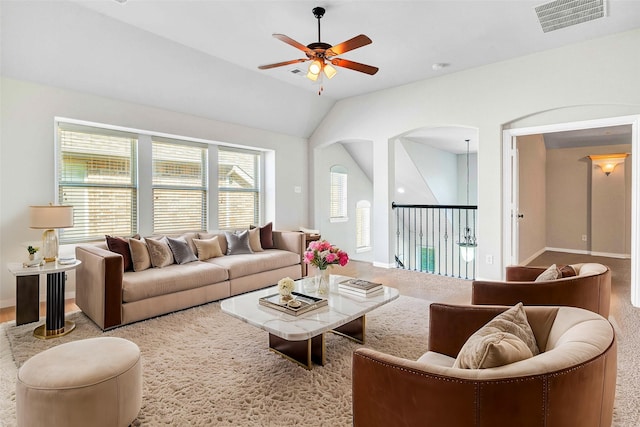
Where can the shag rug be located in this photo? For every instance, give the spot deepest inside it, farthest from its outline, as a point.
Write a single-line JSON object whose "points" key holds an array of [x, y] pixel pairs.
{"points": [[202, 367]]}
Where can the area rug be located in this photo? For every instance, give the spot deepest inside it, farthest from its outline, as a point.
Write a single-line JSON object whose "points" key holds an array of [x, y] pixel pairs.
{"points": [[205, 368], [202, 367]]}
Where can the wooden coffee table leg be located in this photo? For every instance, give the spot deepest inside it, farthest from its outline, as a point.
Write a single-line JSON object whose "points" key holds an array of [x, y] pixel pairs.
{"points": [[353, 330], [301, 352]]}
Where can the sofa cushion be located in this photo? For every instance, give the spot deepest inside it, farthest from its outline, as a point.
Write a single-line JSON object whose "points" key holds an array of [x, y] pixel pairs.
{"points": [[266, 235], [139, 254], [551, 273], [160, 253], [153, 282], [208, 248], [567, 271], [238, 243], [245, 264], [222, 239], [120, 246], [507, 338], [254, 240], [181, 251]]}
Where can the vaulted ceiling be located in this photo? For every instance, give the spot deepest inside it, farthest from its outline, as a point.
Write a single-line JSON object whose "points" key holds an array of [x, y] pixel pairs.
{"points": [[201, 57]]}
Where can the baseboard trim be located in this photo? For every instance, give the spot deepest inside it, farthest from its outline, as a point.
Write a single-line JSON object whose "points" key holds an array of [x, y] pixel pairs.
{"points": [[383, 265], [532, 257]]}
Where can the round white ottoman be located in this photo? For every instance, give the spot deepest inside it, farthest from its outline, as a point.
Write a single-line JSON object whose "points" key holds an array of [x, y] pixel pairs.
{"points": [[91, 382]]}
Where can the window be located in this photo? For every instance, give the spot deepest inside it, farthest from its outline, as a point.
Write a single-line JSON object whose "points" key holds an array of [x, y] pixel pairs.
{"points": [[363, 225], [338, 190], [179, 186], [238, 188], [97, 176]]}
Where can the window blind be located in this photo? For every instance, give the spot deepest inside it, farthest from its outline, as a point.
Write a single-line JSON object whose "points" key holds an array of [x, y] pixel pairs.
{"points": [[96, 175], [179, 186], [363, 224], [338, 196], [238, 188]]}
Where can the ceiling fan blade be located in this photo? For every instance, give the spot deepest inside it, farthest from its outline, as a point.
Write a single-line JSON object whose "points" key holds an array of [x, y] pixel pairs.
{"points": [[354, 43], [292, 42], [280, 64], [363, 68]]}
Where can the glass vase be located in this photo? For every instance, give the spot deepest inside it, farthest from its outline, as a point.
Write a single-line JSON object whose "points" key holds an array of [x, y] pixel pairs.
{"points": [[322, 281]]}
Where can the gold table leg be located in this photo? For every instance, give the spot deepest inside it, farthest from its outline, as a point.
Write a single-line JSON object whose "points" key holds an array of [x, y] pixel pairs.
{"points": [[303, 352], [353, 330]]}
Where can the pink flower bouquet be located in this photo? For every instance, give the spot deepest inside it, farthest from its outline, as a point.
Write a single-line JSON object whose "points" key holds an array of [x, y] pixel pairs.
{"points": [[322, 254]]}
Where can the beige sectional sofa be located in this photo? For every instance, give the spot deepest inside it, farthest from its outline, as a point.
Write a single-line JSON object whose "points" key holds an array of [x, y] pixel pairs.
{"points": [[113, 297]]}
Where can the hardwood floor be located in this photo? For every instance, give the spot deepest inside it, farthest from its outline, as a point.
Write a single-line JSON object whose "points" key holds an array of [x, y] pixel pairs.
{"points": [[9, 313]]}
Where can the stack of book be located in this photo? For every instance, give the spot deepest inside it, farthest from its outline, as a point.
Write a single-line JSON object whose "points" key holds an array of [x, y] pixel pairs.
{"points": [[360, 287]]}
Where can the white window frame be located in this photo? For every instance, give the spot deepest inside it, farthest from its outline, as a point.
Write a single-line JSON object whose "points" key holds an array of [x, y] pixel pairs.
{"points": [[201, 187], [63, 187], [257, 189], [338, 194]]}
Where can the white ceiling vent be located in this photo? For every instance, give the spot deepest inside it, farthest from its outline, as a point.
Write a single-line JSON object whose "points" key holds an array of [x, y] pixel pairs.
{"points": [[296, 71], [565, 13]]}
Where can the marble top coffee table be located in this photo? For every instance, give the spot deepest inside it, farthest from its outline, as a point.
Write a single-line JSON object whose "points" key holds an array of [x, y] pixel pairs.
{"points": [[301, 338]]}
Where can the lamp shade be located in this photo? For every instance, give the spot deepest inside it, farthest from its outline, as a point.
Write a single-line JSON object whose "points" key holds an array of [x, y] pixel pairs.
{"points": [[50, 217]]}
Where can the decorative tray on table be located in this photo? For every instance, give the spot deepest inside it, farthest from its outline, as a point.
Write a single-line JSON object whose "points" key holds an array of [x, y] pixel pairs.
{"points": [[307, 303]]}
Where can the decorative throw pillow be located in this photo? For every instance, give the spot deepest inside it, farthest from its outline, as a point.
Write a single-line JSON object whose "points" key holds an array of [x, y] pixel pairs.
{"points": [[551, 273], [159, 252], [181, 251], [266, 235], [188, 237], [120, 246], [208, 248], [238, 243], [254, 240], [507, 338], [567, 271], [139, 254]]}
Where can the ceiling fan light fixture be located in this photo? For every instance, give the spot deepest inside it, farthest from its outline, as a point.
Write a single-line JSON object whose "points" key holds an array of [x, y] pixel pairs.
{"points": [[312, 77], [329, 70], [315, 67]]}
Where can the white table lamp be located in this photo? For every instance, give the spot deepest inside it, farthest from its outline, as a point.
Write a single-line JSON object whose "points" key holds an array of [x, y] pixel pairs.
{"points": [[50, 218]]}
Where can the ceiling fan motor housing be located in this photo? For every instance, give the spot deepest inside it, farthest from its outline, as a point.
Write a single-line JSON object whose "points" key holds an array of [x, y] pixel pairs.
{"points": [[318, 12]]}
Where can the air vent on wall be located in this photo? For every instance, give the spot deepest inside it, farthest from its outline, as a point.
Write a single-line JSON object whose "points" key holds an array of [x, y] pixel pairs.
{"points": [[565, 13]]}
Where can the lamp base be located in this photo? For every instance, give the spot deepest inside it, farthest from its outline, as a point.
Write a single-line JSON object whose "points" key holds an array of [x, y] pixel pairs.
{"points": [[49, 245]]}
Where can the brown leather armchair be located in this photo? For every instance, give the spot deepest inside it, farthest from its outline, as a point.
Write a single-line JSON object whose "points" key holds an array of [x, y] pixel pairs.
{"points": [[589, 289], [570, 383]]}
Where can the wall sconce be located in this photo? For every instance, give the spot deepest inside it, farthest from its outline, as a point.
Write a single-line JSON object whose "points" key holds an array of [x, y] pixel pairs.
{"points": [[607, 162]]}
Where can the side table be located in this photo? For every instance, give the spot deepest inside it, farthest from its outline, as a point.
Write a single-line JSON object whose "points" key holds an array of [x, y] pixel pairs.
{"points": [[28, 295]]}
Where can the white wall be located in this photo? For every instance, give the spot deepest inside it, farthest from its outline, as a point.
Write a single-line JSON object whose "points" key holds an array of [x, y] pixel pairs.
{"points": [[438, 168], [27, 153], [359, 187], [597, 78]]}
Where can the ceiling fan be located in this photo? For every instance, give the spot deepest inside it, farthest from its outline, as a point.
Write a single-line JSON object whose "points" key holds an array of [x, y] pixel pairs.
{"points": [[323, 56]]}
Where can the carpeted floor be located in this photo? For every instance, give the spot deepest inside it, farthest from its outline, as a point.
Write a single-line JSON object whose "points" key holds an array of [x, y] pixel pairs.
{"points": [[202, 367]]}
